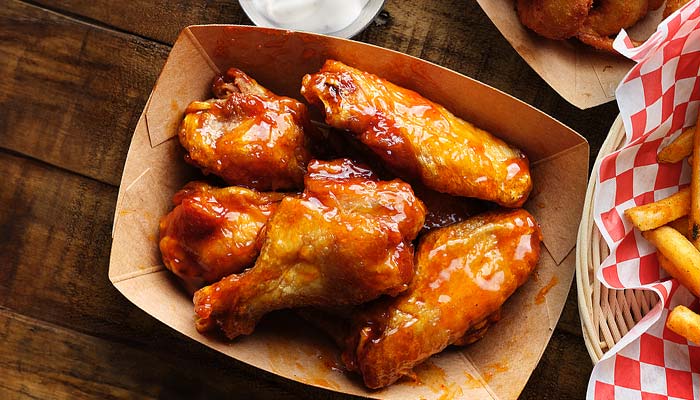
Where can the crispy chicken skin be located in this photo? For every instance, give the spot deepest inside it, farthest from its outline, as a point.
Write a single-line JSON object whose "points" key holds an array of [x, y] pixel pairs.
{"points": [[249, 136], [345, 240], [213, 232], [464, 273], [418, 139]]}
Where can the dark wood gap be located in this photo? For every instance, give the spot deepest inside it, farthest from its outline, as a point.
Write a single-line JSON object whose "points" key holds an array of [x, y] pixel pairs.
{"points": [[45, 163], [89, 21]]}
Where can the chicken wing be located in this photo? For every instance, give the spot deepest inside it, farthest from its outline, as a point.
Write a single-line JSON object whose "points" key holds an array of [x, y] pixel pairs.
{"points": [[346, 240], [249, 136], [418, 139], [213, 232], [464, 273]]}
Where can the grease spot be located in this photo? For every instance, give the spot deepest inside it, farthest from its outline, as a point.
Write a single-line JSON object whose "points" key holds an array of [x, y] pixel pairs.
{"points": [[435, 379], [471, 382], [323, 370], [493, 369], [540, 297]]}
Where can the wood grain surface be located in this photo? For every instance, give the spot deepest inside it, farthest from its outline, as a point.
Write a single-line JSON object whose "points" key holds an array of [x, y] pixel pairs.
{"points": [[75, 77]]}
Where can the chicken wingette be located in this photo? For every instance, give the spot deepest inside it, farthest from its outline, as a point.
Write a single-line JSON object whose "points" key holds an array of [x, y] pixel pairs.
{"points": [[418, 139], [248, 136], [464, 274], [345, 240], [213, 232]]}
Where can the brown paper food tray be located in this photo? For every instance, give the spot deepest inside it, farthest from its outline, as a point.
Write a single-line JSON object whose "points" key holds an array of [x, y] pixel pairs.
{"points": [[497, 366], [581, 75]]}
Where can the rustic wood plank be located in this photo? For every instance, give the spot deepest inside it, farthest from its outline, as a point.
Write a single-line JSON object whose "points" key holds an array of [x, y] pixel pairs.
{"points": [[570, 321], [56, 229], [71, 92], [40, 360], [159, 20], [563, 371]]}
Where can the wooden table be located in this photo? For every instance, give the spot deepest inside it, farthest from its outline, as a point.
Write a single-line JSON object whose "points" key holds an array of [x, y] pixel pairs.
{"points": [[75, 77]]}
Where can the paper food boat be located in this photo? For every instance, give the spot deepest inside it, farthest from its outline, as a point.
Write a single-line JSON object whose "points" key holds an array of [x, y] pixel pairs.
{"points": [[497, 366]]}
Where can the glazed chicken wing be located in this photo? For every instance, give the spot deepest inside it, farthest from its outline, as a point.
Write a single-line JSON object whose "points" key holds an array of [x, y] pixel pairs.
{"points": [[464, 273], [418, 139], [346, 240], [249, 136], [212, 232]]}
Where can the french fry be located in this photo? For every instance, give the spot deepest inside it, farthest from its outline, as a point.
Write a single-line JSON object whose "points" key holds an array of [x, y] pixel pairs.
{"points": [[664, 262], [659, 213], [685, 323], [681, 225], [680, 148], [683, 258], [694, 214]]}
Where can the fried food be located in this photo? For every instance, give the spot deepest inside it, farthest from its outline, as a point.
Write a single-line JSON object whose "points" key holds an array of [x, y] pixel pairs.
{"points": [[681, 225], [249, 136], [684, 322], [464, 274], [418, 139], [694, 214], [682, 258], [212, 232], [554, 19], [653, 215], [680, 148], [594, 23], [607, 18], [345, 240], [673, 5]]}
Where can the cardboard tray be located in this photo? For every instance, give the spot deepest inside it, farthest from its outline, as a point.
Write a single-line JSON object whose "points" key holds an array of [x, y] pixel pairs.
{"points": [[581, 75], [497, 366]]}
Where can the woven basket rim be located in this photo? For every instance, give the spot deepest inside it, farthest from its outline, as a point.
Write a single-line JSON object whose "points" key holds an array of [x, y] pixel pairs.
{"points": [[606, 314]]}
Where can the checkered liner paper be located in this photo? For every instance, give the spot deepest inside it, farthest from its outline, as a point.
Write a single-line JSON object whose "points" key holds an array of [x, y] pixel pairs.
{"points": [[657, 98]]}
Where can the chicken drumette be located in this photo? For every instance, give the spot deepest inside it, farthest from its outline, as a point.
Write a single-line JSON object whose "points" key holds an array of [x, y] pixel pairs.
{"points": [[213, 232], [248, 136], [464, 273], [345, 240], [418, 139]]}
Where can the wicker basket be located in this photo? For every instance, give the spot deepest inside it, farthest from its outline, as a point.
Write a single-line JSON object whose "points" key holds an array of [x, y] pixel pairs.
{"points": [[606, 314]]}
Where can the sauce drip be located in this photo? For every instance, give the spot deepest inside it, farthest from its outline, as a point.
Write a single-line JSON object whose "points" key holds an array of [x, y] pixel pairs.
{"points": [[539, 299]]}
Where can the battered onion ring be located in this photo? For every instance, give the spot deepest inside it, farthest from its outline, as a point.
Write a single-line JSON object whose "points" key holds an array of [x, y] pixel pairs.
{"points": [[608, 17], [554, 19], [655, 4], [673, 5]]}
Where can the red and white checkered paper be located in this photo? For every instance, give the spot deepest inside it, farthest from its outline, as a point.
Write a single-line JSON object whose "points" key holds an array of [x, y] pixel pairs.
{"points": [[657, 98]]}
